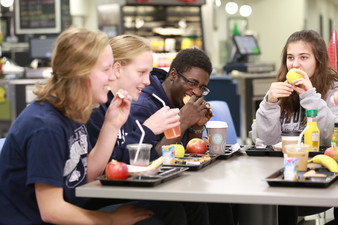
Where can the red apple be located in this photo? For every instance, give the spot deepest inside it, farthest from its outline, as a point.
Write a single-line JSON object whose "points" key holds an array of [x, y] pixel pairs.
{"points": [[332, 152], [116, 170], [196, 146]]}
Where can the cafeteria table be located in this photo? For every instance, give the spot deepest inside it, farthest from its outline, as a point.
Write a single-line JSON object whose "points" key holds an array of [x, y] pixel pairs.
{"points": [[239, 180]]}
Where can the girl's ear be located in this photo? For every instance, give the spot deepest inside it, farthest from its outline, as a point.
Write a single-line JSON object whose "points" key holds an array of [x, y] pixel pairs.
{"points": [[117, 69]]}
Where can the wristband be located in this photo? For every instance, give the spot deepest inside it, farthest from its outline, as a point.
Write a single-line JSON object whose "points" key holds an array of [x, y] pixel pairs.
{"points": [[191, 130]]}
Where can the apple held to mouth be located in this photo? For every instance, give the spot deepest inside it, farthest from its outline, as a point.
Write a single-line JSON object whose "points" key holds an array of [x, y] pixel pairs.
{"points": [[116, 170], [292, 75], [196, 146]]}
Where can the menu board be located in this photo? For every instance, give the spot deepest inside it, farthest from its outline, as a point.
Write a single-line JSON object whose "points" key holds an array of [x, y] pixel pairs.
{"points": [[37, 16]]}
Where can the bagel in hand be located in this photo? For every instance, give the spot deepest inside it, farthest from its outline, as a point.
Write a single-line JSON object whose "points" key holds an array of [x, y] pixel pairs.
{"points": [[186, 99]]}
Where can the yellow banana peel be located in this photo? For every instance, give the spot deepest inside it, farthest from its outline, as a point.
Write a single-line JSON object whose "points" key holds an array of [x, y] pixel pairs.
{"points": [[326, 161], [155, 164]]}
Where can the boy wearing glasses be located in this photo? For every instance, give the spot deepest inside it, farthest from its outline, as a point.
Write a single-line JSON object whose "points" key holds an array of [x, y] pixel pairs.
{"points": [[189, 74]]}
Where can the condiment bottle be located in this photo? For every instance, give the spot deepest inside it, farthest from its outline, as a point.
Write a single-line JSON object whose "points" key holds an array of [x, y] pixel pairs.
{"points": [[334, 137], [312, 133]]}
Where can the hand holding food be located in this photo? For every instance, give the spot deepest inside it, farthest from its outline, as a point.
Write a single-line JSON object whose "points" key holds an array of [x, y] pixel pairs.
{"points": [[206, 117], [279, 90], [120, 95], [119, 108], [292, 75], [300, 80], [192, 112]]}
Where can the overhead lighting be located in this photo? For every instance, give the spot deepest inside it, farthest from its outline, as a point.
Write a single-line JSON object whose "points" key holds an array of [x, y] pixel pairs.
{"points": [[6, 3], [218, 3], [231, 8], [139, 22], [182, 23], [245, 10]]}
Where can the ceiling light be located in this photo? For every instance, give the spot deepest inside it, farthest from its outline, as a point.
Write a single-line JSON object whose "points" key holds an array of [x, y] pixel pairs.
{"points": [[6, 3], [245, 10], [218, 3], [182, 23], [139, 22], [231, 8]]}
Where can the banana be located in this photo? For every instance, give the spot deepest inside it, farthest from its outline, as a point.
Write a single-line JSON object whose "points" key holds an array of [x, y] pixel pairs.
{"points": [[155, 164], [326, 161]]}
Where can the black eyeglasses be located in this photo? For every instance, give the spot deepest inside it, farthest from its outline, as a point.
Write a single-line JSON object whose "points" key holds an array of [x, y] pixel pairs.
{"points": [[194, 84]]}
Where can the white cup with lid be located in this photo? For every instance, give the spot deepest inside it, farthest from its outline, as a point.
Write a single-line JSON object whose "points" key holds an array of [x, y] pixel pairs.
{"points": [[217, 133]]}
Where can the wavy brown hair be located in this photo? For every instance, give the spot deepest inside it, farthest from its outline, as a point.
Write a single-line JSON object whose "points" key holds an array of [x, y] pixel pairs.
{"points": [[76, 53], [324, 76]]}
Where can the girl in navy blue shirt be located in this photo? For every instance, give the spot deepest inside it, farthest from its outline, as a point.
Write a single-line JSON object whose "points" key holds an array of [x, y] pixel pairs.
{"points": [[47, 154]]}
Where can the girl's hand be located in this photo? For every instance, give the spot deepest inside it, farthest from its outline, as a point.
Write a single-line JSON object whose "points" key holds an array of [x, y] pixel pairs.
{"points": [[279, 90], [119, 108], [302, 85], [164, 119], [129, 214]]}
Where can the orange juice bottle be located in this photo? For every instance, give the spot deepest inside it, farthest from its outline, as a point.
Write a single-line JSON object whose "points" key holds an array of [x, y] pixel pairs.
{"points": [[334, 137], [312, 133]]}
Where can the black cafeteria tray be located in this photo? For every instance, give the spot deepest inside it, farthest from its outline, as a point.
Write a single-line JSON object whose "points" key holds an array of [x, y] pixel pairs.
{"points": [[166, 173], [277, 179], [269, 151], [229, 153], [195, 167]]}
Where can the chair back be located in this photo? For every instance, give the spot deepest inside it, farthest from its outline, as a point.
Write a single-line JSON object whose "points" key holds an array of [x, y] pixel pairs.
{"points": [[222, 113], [2, 141]]}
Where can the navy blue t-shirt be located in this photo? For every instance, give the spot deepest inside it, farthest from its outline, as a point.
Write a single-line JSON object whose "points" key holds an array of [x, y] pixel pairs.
{"points": [[128, 134], [42, 146]]}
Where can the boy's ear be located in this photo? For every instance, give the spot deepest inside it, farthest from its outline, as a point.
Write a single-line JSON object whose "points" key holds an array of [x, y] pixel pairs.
{"points": [[172, 74]]}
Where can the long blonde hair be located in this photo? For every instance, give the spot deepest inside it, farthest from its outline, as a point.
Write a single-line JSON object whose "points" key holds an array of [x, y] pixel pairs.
{"points": [[76, 53], [127, 46]]}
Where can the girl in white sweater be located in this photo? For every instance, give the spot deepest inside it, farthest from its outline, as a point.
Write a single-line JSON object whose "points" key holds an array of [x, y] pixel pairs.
{"points": [[283, 108]]}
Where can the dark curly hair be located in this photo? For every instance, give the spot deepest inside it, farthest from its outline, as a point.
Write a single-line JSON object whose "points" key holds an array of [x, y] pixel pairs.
{"points": [[324, 76], [191, 57]]}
